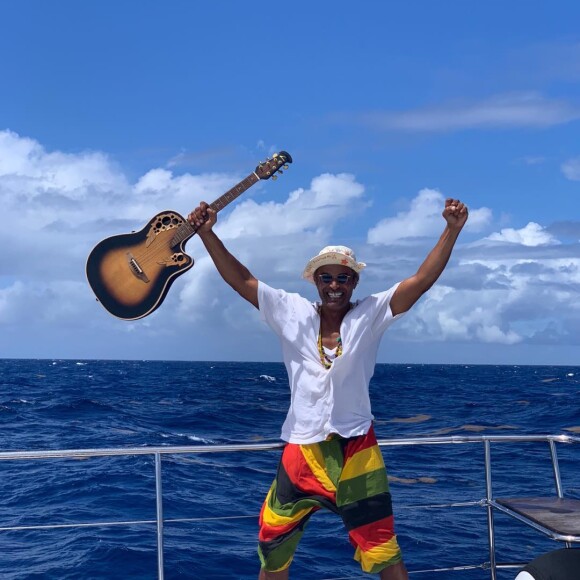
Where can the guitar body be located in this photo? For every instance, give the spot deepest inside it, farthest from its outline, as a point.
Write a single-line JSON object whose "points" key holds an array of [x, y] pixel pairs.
{"points": [[131, 274]]}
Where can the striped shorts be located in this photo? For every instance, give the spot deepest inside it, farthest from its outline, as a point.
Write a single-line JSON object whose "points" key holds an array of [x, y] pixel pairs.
{"points": [[346, 476]]}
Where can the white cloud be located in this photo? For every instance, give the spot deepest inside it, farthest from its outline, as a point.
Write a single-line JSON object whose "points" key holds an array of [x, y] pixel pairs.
{"points": [[532, 234], [71, 201], [29, 172], [571, 169], [318, 208], [512, 301], [422, 219], [28, 303], [197, 296], [157, 181], [492, 333], [501, 111], [448, 314]]}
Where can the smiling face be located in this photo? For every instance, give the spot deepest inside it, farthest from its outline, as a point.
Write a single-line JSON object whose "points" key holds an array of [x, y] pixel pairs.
{"points": [[334, 294]]}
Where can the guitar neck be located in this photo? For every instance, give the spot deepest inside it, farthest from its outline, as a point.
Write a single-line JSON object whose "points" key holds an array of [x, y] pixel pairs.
{"points": [[234, 192], [186, 230]]}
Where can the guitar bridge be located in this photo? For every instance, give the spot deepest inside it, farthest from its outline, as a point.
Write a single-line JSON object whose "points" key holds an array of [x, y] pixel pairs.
{"points": [[136, 269]]}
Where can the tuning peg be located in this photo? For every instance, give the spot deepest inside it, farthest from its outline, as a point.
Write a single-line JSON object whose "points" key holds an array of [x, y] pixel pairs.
{"points": [[274, 177], [280, 171], [284, 166], [275, 155]]}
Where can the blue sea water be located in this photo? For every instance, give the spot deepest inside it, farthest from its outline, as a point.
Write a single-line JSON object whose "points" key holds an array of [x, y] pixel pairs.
{"points": [[65, 404]]}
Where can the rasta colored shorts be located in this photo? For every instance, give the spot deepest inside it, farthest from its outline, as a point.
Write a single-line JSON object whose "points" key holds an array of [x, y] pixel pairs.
{"points": [[346, 476]]}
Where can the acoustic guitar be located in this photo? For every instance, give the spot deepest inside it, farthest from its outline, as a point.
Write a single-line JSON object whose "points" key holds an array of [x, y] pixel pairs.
{"points": [[131, 274]]}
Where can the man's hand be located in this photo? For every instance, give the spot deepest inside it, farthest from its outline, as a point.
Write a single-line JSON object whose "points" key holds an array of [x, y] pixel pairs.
{"points": [[203, 218], [455, 213]]}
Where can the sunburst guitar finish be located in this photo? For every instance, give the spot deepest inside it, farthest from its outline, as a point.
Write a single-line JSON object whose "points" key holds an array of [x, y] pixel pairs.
{"points": [[131, 274]]}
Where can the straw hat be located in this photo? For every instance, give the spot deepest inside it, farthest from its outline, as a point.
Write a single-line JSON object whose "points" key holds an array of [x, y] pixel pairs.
{"points": [[332, 255]]}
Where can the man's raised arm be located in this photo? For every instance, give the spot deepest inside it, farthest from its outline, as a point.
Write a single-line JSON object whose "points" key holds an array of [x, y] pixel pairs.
{"points": [[411, 289], [231, 270]]}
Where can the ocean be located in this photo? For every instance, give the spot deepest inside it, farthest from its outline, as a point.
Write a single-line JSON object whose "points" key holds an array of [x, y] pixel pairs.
{"points": [[70, 404]]}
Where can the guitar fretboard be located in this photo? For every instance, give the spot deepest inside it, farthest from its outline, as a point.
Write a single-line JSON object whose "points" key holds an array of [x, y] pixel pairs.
{"points": [[234, 192]]}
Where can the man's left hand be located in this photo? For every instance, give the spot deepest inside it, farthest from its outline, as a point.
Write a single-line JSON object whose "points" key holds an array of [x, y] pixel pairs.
{"points": [[455, 213]]}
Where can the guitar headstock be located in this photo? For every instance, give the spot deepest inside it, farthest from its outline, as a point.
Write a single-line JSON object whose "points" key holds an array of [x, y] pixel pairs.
{"points": [[270, 167]]}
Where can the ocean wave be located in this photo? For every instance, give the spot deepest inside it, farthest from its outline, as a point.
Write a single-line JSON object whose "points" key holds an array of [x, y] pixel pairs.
{"points": [[81, 405]]}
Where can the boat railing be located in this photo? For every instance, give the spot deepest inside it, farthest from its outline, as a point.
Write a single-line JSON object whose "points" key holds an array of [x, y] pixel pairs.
{"points": [[523, 512]]}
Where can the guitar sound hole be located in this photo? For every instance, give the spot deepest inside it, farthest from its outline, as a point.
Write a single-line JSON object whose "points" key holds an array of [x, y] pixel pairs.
{"points": [[166, 222]]}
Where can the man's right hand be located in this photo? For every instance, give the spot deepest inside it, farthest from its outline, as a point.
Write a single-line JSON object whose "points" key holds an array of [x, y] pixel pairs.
{"points": [[203, 217]]}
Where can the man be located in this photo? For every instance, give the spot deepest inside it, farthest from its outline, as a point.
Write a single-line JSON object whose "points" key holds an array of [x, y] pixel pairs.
{"points": [[331, 458]]}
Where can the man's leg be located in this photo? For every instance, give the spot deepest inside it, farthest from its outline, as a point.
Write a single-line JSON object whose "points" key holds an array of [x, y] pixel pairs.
{"points": [[365, 505], [293, 497], [395, 572]]}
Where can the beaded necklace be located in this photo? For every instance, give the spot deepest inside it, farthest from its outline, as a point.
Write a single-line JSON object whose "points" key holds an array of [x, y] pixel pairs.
{"points": [[324, 358]]}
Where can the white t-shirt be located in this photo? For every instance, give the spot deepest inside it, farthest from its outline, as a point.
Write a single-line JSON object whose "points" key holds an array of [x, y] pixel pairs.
{"points": [[326, 401]]}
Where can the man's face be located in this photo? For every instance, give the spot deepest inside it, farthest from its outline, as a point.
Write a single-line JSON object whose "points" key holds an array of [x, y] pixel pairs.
{"points": [[335, 284]]}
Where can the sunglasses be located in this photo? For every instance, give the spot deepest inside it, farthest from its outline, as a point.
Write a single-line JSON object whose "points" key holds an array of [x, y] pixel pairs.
{"points": [[328, 278]]}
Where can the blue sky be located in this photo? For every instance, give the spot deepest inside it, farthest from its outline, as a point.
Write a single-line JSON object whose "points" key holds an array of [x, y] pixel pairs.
{"points": [[111, 112]]}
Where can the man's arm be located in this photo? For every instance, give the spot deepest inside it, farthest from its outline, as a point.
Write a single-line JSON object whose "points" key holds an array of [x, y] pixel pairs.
{"points": [[411, 289], [231, 270]]}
